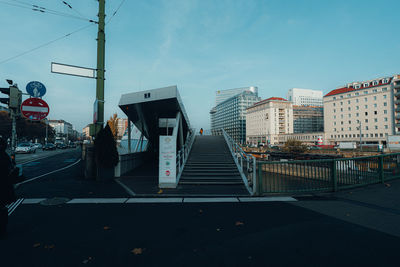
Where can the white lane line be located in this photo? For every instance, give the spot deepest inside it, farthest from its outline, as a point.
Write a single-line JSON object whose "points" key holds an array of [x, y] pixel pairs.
{"points": [[216, 199], [33, 200], [16, 204], [155, 200], [266, 199], [127, 189], [40, 176], [97, 200]]}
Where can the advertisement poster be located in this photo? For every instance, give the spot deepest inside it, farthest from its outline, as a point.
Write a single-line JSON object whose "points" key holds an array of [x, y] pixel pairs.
{"points": [[167, 166]]}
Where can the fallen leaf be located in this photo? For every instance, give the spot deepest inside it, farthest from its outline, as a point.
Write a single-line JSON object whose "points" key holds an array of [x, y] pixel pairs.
{"points": [[137, 251], [160, 192], [36, 245], [239, 223], [106, 228], [388, 185]]}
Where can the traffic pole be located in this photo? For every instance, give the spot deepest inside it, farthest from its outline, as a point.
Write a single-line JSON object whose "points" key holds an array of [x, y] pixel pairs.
{"points": [[100, 66]]}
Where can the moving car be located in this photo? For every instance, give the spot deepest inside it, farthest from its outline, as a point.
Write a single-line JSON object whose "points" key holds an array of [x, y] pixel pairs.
{"points": [[25, 148], [49, 146]]}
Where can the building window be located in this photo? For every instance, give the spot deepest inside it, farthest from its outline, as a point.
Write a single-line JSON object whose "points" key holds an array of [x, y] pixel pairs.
{"points": [[349, 128], [357, 100], [341, 109], [334, 129], [375, 83], [334, 104], [375, 112], [375, 97], [375, 105], [385, 111], [376, 127], [366, 85], [357, 93], [365, 99], [386, 119], [341, 116], [357, 86], [365, 92], [334, 116], [349, 115], [341, 122], [334, 98], [384, 96], [366, 135], [381, 135], [385, 104], [385, 81], [386, 127], [348, 102], [375, 91], [366, 113], [384, 89], [334, 110], [334, 123], [358, 121], [366, 106], [349, 108], [341, 96], [348, 95], [349, 122], [366, 120], [357, 107], [357, 114], [341, 103], [375, 120]]}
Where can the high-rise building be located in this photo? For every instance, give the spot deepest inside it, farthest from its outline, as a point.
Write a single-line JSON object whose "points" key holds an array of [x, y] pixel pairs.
{"points": [[230, 114], [267, 119], [365, 110], [308, 119], [222, 95], [305, 97], [61, 127]]}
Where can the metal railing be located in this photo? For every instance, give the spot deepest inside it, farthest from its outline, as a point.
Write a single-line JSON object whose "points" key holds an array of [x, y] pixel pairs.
{"points": [[183, 153], [246, 163], [326, 174]]}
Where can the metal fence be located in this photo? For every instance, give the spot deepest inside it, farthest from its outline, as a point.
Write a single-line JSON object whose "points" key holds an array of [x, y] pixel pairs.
{"points": [[325, 175]]}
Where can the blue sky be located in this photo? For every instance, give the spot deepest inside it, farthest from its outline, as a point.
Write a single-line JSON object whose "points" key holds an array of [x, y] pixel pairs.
{"points": [[200, 46]]}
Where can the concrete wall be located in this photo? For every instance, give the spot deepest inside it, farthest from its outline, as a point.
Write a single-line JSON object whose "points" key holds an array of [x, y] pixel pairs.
{"points": [[128, 162]]}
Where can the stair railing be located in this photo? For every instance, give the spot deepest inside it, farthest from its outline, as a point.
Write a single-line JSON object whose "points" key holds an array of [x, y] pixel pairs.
{"points": [[183, 153], [246, 163]]}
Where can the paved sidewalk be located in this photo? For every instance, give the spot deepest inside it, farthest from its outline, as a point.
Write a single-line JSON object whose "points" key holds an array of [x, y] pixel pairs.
{"points": [[375, 206]]}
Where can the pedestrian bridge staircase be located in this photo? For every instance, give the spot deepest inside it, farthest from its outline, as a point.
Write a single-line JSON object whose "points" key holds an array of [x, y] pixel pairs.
{"points": [[210, 163]]}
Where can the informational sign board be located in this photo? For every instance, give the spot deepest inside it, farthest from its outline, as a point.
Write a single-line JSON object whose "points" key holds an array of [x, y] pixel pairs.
{"points": [[167, 165], [36, 89], [35, 109], [72, 70], [393, 142]]}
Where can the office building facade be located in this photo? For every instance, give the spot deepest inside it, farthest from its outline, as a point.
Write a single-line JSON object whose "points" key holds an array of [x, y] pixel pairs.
{"points": [[267, 119], [61, 127], [308, 119], [222, 95], [305, 97], [230, 114]]}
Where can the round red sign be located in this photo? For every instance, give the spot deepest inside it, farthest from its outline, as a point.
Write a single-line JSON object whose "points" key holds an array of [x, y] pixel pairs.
{"points": [[35, 109], [167, 172]]}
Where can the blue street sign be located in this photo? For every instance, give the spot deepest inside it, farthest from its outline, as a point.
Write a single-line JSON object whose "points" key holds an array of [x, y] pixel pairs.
{"points": [[36, 89]]}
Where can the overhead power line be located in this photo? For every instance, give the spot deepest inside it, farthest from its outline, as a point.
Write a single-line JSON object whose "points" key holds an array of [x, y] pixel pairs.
{"points": [[76, 11], [45, 44], [41, 9], [115, 12]]}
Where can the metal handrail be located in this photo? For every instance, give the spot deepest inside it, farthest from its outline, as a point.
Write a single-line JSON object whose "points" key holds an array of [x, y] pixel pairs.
{"points": [[246, 163], [183, 154]]}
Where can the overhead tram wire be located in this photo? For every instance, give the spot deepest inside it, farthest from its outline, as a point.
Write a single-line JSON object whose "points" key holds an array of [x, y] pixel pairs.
{"points": [[45, 44], [40, 9], [76, 11], [115, 12]]}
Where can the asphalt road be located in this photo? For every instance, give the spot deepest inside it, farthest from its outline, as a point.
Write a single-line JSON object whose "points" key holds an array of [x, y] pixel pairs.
{"points": [[186, 234]]}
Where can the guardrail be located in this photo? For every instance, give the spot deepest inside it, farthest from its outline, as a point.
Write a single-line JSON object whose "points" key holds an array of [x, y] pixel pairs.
{"points": [[245, 162], [326, 174], [183, 154]]}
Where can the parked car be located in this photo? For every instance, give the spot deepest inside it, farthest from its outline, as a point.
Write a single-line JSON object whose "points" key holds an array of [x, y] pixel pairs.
{"points": [[62, 146], [49, 146], [72, 145], [38, 145], [25, 148]]}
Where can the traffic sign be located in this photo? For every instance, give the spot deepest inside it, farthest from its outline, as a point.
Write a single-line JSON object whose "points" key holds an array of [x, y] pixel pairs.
{"points": [[36, 89], [35, 109]]}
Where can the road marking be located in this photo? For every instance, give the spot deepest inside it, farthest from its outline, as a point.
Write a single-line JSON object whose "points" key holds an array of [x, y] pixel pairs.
{"points": [[127, 189], [69, 160], [40, 176], [14, 205], [97, 200], [266, 199], [216, 199], [33, 200], [155, 200]]}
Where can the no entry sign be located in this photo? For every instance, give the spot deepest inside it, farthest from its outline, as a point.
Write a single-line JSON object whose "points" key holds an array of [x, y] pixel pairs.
{"points": [[35, 109]]}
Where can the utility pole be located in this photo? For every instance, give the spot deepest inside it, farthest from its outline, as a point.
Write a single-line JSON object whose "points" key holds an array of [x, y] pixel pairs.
{"points": [[100, 66], [360, 137]]}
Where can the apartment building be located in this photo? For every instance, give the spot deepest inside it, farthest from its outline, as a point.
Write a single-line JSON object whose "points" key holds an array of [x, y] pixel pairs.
{"points": [[361, 111], [267, 119]]}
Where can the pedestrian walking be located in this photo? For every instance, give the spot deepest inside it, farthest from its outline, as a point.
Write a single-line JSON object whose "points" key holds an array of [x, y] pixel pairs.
{"points": [[201, 131], [7, 195]]}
